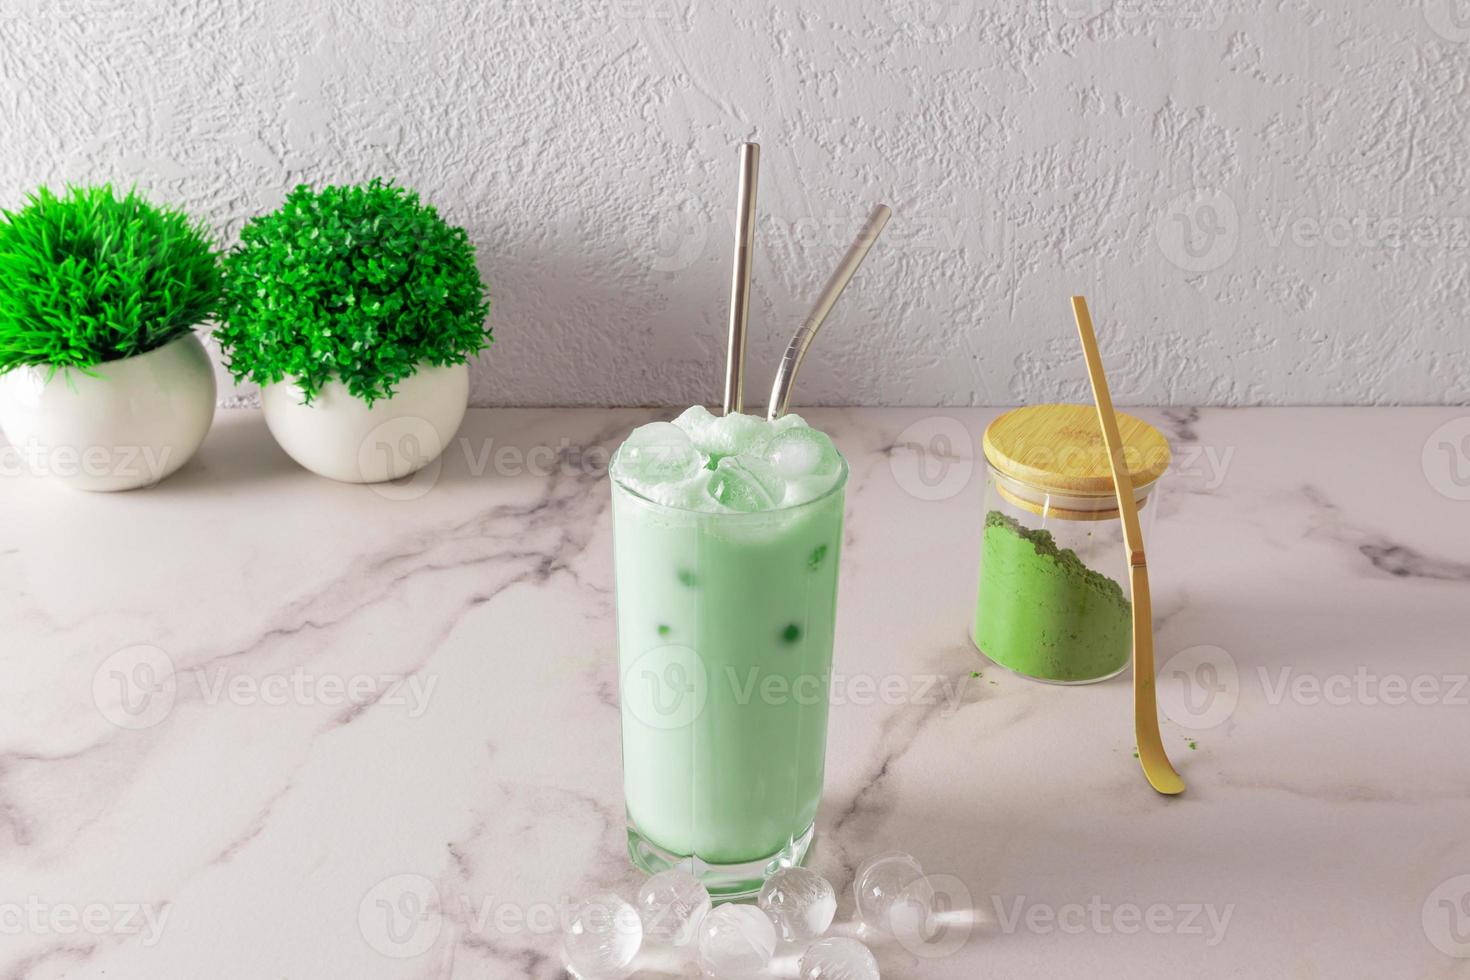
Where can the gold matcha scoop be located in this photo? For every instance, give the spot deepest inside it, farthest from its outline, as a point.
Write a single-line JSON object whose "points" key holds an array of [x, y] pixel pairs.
{"points": [[1151, 755]]}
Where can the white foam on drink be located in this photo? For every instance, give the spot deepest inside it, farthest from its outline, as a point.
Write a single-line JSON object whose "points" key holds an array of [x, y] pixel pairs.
{"points": [[729, 463]]}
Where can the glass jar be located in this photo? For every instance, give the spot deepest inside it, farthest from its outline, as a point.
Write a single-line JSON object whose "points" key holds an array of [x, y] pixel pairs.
{"points": [[1053, 599]]}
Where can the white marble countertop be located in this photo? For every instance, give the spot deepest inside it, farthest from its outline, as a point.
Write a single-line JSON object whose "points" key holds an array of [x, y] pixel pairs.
{"points": [[250, 716]]}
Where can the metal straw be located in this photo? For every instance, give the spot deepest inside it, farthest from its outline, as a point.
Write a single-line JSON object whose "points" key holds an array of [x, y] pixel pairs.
{"points": [[796, 350], [750, 161]]}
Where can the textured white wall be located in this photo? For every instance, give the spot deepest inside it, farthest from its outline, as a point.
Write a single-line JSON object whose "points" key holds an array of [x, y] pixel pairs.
{"points": [[1266, 201]]}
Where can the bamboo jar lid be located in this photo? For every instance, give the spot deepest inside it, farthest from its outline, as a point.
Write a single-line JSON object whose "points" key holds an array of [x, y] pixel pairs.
{"points": [[1051, 459]]}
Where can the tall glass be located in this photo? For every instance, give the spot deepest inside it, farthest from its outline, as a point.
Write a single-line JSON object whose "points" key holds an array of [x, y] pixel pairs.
{"points": [[725, 625]]}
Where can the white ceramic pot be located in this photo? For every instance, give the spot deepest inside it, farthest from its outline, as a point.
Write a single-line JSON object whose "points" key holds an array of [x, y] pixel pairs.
{"points": [[339, 436], [129, 424]]}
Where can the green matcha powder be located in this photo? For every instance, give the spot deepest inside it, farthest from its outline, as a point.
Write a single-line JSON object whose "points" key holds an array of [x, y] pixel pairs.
{"points": [[1042, 612]]}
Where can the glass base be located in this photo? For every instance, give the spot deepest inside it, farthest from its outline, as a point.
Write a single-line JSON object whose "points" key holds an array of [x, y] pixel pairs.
{"points": [[724, 881], [1048, 680]]}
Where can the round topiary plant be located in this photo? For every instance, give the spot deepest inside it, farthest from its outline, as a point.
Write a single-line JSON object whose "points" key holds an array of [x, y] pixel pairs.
{"points": [[88, 277], [358, 283]]}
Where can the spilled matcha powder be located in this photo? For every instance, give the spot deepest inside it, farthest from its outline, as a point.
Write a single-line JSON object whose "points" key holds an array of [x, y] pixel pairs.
{"points": [[1042, 612]]}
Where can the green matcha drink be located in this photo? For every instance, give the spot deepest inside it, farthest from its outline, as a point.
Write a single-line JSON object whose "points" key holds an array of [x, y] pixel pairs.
{"points": [[727, 534]]}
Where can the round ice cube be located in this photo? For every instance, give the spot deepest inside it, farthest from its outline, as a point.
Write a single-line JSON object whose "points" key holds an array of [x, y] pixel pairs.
{"points": [[838, 958], [659, 452], [602, 939], [801, 452], [891, 885], [746, 483], [800, 902], [672, 904], [736, 942]]}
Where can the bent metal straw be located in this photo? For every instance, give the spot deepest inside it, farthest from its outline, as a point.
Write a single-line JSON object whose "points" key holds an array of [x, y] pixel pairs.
{"points": [[807, 332]]}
